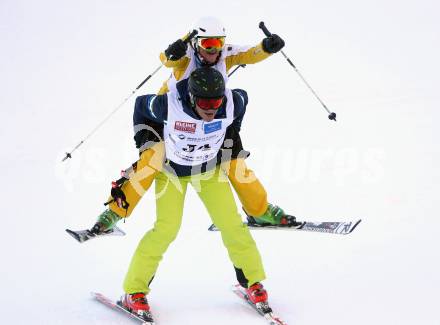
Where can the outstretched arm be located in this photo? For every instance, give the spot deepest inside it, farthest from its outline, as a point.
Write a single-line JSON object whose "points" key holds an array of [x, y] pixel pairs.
{"points": [[237, 55], [269, 45]]}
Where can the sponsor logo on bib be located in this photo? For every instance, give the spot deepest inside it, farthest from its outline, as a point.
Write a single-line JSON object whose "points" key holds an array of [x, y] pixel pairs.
{"points": [[185, 126], [212, 127]]}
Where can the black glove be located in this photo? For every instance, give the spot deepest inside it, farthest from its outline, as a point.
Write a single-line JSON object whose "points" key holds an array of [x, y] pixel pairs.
{"points": [[176, 50], [119, 196], [273, 44], [143, 136]]}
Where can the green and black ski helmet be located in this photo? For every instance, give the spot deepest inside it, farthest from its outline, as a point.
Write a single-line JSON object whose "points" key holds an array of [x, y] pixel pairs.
{"points": [[206, 83]]}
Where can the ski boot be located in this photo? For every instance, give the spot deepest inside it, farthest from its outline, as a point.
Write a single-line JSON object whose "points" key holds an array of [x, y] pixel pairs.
{"points": [[257, 295], [137, 304], [274, 216], [105, 223]]}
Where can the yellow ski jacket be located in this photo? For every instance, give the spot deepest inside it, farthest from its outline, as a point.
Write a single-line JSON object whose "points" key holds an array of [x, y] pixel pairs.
{"points": [[231, 55]]}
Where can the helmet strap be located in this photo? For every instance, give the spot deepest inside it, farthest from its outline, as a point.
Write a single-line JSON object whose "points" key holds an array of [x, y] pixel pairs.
{"points": [[192, 102]]}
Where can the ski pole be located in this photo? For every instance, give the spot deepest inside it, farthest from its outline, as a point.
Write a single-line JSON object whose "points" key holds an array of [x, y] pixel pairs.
{"points": [[69, 154], [332, 115]]}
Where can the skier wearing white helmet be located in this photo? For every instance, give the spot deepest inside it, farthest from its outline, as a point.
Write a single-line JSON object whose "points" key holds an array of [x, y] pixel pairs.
{"points": [[208, 48]]}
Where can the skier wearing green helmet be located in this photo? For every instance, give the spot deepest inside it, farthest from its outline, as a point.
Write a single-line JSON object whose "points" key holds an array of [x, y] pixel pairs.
{"points": [[195, 121]]}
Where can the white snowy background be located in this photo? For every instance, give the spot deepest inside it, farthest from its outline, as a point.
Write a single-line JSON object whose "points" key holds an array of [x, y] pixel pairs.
{"points": [[65, 65]]}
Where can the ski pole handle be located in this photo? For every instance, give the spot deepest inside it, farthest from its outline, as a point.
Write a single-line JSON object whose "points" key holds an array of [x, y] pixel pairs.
{"points": [[264, 29], [190, 36]]}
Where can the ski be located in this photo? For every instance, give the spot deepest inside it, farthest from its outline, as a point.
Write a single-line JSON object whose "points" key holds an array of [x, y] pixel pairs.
{"points": [[85, 235], [261, 308], [337, 227], [117, 306]]}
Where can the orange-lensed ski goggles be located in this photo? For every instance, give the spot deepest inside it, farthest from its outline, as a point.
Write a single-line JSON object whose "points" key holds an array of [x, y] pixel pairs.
{"points": [[209, 103], [211, 44]]}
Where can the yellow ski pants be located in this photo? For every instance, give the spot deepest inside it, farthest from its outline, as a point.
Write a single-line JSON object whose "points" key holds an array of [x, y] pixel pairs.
{"points": [[250, 191]]}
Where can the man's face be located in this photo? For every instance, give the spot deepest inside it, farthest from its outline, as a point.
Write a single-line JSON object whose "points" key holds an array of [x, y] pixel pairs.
{"points": [[209, 48], [207, 108], [206, 114], [208, 57]]}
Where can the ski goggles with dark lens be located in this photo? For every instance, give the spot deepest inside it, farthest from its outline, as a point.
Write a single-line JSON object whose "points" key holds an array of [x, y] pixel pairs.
{"points": [[209, 103], [211, 44]]}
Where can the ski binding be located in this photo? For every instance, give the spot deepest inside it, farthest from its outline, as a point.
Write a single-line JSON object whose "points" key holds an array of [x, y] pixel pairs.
{"points": [[261, 308], [146, 319]]}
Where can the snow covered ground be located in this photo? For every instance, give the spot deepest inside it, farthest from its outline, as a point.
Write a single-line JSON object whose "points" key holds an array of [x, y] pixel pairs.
{"points": [[66, 65]]}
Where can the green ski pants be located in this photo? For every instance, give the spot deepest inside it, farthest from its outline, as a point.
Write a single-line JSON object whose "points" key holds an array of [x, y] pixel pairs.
{"points": [[214, 190]]}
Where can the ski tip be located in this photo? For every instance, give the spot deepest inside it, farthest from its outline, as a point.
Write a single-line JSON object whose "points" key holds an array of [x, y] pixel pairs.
{"points": [[98, 296], [355, 225], [74, 235], [118, 231]]}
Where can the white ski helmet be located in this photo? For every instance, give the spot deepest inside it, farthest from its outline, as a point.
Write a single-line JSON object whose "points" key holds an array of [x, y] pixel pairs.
{"points": [[209, 27]]}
